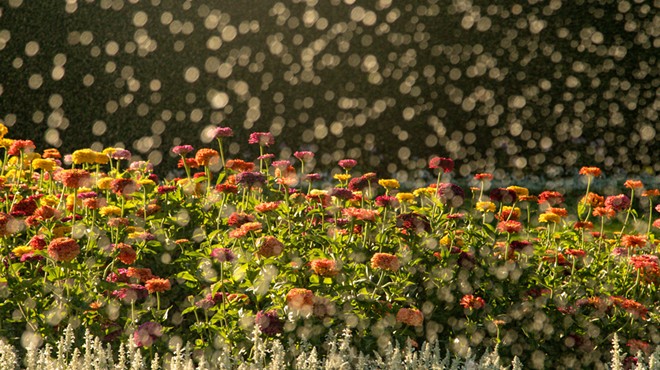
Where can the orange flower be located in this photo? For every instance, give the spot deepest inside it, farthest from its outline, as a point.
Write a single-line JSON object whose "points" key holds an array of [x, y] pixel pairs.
{"points": [[266, 207], [561, 212], [651, 193], [63, 249], [471, 302], [632, 241], [590, 171], [143, 274], [324, 267], [157, 285], [300, 298], [603, 212], [269, 246], [410, 316], [74, 178], [385, 261], [239, 165], [126, 254], [594, 200], [206, 156], [633, 184]]}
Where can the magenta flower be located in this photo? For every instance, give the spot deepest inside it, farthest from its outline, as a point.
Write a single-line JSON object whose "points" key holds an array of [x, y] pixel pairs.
{"points": [[182, 149], [223, 255], [220, 132], [262, 138], [617, 202], [121, 154], [281, 165], [347, 164], [269, 323]]}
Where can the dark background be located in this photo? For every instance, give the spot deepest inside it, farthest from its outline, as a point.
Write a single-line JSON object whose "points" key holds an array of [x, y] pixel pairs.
{"points": [[515, 88]]}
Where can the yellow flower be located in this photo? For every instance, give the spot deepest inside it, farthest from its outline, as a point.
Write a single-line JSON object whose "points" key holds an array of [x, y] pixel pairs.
{"points": [[44, 164], [485, 206], [83, 156], [549, 217], [104, 183], [61, 231], [110, 211], [109, 151], [69, 201], [389, 183], [342, 177], [405, 197], [520, 191], [146, 182], [101, 158], [6, 143], [48, 200], [3, 130], [447, 241], [21, 250], [315, 192], [423, 191]]}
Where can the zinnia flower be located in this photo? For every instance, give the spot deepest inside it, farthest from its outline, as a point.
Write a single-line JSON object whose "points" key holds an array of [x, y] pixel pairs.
{"points": [[18, 146], [74, 178], [519, 190], [304, 156], [223, 255], [483, 177], [182, 150], [347, 164], [451, 194], [220, 132], [593, 200], [126, 254], [551, 197], [389, 183], [300, 298], [147, 333], [261, 138], [485, 206], [410, 316], [471, 302], [503, 195], [123, 187], [385, 261], [632, 241], [510, 227], [617, 202], [63, 249], [239, 165], [633, 184], [590, 171], [157, 285], [447, 164], [549, 217], [269, 246], [206, 157], [269, 322], [324, 267]]}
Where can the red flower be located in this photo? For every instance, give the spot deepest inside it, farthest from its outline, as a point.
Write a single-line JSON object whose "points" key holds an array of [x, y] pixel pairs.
{"points": [[590, 171], [551, 197], [410, 316], [447, 164], [511, 227], [471, 302], [126, 254]]}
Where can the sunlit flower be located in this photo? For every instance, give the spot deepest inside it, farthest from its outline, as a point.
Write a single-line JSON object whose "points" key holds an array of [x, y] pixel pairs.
{"points": [[447, 164], [250, 179], [223, 255], [220, 132], [22, 250], [360, 213], [269, 246], [510, 227], [182, 150], [508, 213], [236, 219], [341, 193], [561, 212], [143, 274], [587, 225], [18, 146], [617, 202], [575, 252], [342, 177], [300, 298], [324, 267], [304, 156], [51, 153], [404, 197], [48, 165], [63, 249], [549, 218], [157, 285], [147, 333], [120, 154], [126, 254], [386, 201], [651, 193], [633, 184], [590, 171], [261, 138], [450, 194], [269, 322], [267, 206], [410, 316], [239, 165], [385, 261], [593, 200], [485, 207], [519, 190], [633, 241], [347, 164], [631, 306], [74, 178], [604, 212], [389, 184], [84, 156], [206, 157], [645, 261], [553, 198], [472, 302], [3, 130], [226, 188], [483, 177], [110, 211]]}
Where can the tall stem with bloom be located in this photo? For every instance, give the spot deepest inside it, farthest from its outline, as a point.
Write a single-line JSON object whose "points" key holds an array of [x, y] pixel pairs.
{"points": [[625, 222]]}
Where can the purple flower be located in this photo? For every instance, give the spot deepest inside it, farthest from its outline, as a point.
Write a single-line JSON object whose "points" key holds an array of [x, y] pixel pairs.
{"points": [[503, 195], [447, 164], [262, 138], [87, 195], [387, 201], [269, 323], [250, 179], [223, 255], [182, 149], [451, 194], [121, 154], [220, 132], [131, 293], [304, 155], [312, 177], [147, 333], [347, 164]]}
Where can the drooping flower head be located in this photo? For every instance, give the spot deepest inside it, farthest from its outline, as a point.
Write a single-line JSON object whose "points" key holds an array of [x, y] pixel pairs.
{"points": [[261, 138], [18, 146]]}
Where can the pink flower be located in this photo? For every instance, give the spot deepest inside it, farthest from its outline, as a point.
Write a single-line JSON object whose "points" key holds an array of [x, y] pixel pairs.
{"points": [[447, 164], [347, 164], [220, 132], [304, 156], [147, 333], [261, 138], [182, 149]]}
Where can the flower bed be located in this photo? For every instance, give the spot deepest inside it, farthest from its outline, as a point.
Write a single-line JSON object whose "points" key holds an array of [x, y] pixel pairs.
{"points": [[99, 242]]}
